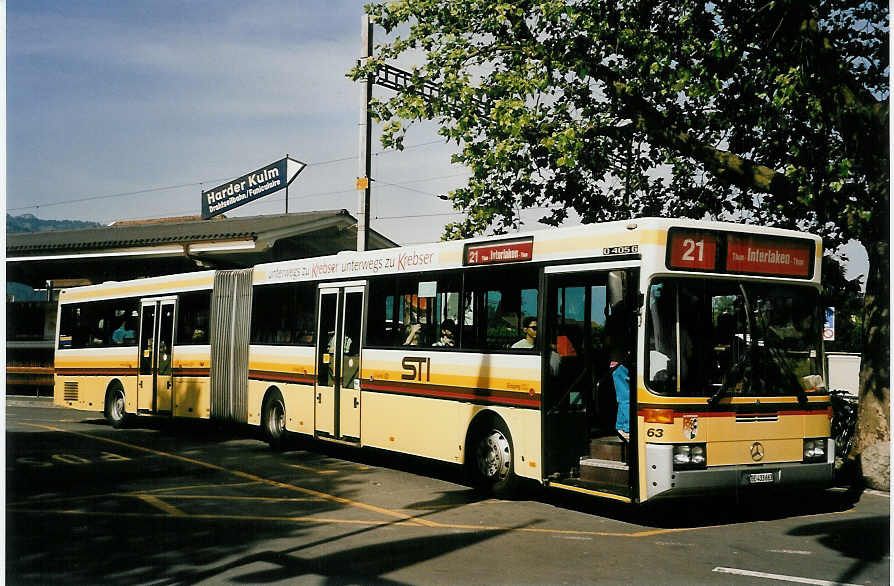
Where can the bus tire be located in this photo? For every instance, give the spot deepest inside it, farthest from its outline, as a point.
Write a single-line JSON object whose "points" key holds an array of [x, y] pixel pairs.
{"points": [[273, 420], [115, 411], [492, 459]]}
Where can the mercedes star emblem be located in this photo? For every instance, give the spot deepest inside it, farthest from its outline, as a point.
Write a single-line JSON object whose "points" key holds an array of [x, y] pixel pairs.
{"points": [[757, 451]]}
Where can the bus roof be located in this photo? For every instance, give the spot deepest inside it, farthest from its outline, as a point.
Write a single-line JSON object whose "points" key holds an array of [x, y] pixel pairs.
{"points": [[643, 238]]}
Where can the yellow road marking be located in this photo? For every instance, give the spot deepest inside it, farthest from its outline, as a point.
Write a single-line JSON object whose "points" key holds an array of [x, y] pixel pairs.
{"points": [[144, 494], [402, 518], [209, 517], [246, 475], [260, 499], [314, 470], [161, 505], [609, 495], [195, 486], [372, 523]]}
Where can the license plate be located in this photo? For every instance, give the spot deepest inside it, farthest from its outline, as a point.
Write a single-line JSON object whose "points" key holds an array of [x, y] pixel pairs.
{"points": [[761, 477]]}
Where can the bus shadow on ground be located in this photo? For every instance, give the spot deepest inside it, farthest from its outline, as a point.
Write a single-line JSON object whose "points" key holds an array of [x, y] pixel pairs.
{"points": [[83, 519], [78, 513], [197, 429], [705, 511], [695, 511]]}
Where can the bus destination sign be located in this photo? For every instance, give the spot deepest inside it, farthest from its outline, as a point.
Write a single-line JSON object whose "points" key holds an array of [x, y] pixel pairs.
{"points": [[768, 256], [738, 253], [693, 250], [501, 252]]}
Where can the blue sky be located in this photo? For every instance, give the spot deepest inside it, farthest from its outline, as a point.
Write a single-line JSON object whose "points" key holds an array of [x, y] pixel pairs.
{"points": [[107, 98]]}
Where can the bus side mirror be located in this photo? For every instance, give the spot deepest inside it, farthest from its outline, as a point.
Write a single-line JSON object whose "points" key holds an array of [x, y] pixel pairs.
{"points": [[617, 288]]}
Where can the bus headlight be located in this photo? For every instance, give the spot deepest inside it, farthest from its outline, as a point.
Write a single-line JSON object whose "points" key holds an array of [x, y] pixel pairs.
{"points": [[689, 456], [815, 450]]}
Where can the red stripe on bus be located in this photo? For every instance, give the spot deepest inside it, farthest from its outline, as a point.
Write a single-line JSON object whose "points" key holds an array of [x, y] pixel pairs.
{"points": [[678, 413], [282, 377], [96, 371], [480, 395], [126, 371]]}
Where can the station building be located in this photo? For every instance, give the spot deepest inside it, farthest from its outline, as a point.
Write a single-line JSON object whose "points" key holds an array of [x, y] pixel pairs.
{"points": [[45, 262]]}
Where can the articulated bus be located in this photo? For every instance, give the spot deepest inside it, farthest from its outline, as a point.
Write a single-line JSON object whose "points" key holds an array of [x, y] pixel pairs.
{"points": [[500, 354]]}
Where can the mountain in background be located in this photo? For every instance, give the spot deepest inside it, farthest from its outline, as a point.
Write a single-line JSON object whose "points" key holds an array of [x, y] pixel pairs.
{"points": [[31, 223]]}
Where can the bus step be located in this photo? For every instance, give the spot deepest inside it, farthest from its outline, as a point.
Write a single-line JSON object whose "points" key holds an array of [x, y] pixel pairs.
{"points": [[609, 472], [608, 448]]}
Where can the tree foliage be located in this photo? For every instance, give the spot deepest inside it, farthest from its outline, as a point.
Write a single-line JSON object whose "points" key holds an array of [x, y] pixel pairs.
{"points": [[770, 111]]}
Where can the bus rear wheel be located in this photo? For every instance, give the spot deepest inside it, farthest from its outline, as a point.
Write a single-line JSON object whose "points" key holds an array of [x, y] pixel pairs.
{"points": [[273, 420], [493, 460], [115, 411]]}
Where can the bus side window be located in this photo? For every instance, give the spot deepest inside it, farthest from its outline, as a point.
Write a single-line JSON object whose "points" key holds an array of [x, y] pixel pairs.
{"points": [[193, 318], [494, 318], [411, 311], [283, 314], [69, 327]]}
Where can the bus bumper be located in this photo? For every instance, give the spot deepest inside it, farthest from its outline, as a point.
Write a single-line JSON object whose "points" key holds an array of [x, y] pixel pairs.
{"points": [[663, 481]]}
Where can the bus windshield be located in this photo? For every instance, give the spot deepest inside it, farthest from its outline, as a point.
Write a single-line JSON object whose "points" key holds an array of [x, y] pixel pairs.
{"points": [[722, 339]]}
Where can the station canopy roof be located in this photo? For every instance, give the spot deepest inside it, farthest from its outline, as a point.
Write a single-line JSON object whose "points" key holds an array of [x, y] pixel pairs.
{"points": [[127, 250]]}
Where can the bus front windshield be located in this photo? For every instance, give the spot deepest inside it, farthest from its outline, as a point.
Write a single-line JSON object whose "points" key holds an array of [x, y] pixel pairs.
{"points": [[721, 339]]}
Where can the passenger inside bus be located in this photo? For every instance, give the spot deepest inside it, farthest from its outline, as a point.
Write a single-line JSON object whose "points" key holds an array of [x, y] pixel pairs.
{"points": [[122, 334], [164, 359], [620, 374], [448, 330], [529, 326], [414, 335]]}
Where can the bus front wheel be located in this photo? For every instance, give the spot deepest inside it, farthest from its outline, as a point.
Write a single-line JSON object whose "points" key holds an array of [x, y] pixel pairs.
{"points": [[493, 464], [273, 420], [115, 411]]}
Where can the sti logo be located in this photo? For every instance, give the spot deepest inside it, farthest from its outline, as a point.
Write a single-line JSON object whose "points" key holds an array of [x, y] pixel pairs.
{"points": [[413, 368]]}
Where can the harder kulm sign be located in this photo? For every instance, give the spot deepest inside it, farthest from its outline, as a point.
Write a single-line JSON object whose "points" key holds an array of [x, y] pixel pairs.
{"points": [[251, 186]]}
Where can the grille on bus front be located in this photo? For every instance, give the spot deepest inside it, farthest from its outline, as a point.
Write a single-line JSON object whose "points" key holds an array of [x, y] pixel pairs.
{"points": [[70, 391], [757, 418]]}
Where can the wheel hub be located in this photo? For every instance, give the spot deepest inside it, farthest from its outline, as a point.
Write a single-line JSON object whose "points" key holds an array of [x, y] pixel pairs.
{"points": [[276, 420], [494, 456], [118, 405]]}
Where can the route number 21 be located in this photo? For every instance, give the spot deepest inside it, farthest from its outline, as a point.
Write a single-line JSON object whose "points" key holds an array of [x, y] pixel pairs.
{"points": [[693, 250]]}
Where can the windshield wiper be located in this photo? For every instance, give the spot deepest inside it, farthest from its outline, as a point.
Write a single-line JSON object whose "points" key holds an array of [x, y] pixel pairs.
{"points": [[731, 379]]}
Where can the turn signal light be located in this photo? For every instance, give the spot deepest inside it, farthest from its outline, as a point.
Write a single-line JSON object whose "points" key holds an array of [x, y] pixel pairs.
{"points": [[658, 415]]}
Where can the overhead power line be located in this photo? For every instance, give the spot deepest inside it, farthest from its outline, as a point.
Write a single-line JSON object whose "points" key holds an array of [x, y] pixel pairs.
{"points": [[410, 216], [194, 183]]}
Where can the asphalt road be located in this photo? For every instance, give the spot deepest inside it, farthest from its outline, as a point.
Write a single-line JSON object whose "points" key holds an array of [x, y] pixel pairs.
{"points": [[189, 503]]}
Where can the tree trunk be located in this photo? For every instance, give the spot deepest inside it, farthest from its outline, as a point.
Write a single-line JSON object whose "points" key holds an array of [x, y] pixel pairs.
{"points": [[872, 446]]}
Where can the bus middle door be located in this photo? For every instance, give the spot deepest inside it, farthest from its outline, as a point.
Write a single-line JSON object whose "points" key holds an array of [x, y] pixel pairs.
{"points": [[339, 331], [155, 386]]}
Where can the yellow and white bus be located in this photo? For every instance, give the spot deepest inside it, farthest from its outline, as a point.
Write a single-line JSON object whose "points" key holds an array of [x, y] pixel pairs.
{"points": [[517, 357]]}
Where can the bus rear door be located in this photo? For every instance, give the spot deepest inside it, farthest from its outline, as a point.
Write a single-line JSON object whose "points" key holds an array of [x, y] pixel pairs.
{"points": [[154, 389]]}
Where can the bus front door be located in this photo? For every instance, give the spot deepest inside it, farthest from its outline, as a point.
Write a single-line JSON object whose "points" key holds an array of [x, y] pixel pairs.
{"points": [[155, 384], [591, 331], [339, 331]]}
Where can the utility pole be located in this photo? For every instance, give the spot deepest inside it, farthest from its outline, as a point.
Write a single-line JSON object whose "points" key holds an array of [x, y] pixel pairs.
{"points": [[365, 159], [395, 79]]}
